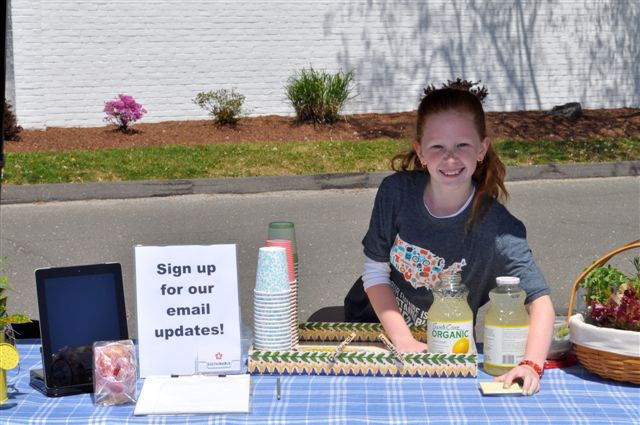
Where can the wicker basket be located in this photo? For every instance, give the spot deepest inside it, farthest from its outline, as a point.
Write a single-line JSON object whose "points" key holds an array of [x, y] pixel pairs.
{"points": [[606, 364]]}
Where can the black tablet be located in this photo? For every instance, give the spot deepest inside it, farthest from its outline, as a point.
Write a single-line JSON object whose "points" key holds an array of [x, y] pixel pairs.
{"points": [[78, 305]]}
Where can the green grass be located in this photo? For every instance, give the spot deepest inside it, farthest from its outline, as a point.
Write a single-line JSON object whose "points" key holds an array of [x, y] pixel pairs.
{"points": [[281, 158]]}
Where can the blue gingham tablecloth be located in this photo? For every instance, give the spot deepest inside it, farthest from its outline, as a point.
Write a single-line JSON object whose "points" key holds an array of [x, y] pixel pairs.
{"points": [[568, 396]]}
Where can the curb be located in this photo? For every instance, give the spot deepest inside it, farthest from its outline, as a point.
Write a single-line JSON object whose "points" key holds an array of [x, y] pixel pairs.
{"points": [[239, 185]]}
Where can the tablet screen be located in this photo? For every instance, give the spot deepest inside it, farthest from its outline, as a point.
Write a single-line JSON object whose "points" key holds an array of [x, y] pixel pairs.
{"points": [[78, 306]]}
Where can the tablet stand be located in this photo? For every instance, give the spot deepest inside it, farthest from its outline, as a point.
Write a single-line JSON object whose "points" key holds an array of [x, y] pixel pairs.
{"points": [[38, 382]]}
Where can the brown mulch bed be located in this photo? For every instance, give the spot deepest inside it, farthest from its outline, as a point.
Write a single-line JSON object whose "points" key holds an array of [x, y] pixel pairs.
{"points": [[526, 125]]}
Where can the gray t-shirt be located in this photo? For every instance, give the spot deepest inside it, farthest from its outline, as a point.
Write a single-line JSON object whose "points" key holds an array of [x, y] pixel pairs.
{"points": [[420, 247]]}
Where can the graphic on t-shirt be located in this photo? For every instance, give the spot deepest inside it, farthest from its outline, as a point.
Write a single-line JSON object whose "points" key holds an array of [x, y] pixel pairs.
{"points": [[419, 266], [411, 313]]}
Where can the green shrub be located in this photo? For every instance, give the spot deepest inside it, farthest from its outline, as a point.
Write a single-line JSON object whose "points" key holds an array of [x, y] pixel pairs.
{"points": [[11, 128], [318, 96], [224, 106]]}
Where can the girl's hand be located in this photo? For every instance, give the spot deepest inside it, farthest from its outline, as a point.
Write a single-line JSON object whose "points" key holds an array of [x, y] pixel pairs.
{"points": [[524, 373], [410, 345]]}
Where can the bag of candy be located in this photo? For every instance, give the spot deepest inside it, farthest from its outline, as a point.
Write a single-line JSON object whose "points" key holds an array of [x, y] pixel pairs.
{"points": [[115, 372]]}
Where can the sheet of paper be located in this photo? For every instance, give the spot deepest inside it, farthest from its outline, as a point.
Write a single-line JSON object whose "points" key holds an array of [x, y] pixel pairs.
{"points": [[163, 395], [496, 388]]}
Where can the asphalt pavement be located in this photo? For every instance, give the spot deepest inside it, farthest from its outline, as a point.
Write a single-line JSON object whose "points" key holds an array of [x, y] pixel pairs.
{"points": [[573, 213]]}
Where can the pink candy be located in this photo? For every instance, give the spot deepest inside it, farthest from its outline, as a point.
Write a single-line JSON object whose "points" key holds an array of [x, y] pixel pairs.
{"points": [[114, 372]]}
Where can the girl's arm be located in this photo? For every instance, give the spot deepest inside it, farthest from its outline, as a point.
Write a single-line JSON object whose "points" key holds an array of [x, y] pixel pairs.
{"points": [[541, 317], [384, 304]]}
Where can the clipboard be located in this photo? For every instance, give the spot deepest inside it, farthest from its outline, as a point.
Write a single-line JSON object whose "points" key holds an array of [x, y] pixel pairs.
{"points": [[193, 394]]}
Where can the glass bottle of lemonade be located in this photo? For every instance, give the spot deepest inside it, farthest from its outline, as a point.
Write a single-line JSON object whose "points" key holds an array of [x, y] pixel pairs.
{"points": [[450, 322], [506, 327]]}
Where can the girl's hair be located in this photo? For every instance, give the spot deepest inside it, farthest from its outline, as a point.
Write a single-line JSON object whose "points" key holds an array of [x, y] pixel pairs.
{"points": [[489, 174]]}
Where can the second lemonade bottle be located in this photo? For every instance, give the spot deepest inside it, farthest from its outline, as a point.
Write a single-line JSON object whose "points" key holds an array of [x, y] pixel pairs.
{"points": [[506, 327]]}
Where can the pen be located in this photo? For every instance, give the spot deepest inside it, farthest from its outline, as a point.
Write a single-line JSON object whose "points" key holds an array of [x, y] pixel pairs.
{"points": [[278, 383]]}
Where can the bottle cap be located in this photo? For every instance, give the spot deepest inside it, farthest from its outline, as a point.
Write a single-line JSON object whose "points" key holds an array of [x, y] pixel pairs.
{"points": [[507, 280]]}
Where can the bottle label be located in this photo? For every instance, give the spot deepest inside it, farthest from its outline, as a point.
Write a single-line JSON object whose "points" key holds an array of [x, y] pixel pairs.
{"points": [[504, 346], [450, 337]]}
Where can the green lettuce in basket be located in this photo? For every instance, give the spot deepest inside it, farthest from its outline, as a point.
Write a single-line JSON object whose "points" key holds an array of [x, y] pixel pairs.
{"points": [[613, 298]]}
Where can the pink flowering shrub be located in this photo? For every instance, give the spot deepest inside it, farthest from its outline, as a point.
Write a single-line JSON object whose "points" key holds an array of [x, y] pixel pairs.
{"points": [[123, 111]]}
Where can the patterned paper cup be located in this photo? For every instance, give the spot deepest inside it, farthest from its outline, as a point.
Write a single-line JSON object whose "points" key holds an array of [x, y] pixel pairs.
{"points": [[281, 344], [280, 311], [271, 321], [280, 300], [282, 347], [272, 274], [271, 306], [285, 313], [273, 338], [271, 303], [269, 318], [282, 327], [283, 309], [266, 333], [272, 294], [276, 316], [268, 297], [264, 330]]}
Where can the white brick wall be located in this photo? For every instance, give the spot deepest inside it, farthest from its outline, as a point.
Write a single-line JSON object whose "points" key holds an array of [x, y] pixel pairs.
{"points": [[69, 57]]}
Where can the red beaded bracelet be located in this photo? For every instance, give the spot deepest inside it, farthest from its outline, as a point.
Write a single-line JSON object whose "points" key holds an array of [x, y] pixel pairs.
{"points": [[533, 365]]}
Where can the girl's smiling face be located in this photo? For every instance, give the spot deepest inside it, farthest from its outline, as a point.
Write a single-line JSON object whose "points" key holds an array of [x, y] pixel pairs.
{"points": [[450, 148]]}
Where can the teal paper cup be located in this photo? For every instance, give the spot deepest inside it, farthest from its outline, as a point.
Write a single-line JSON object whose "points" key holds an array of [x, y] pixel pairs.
{"points": [[272, 274]]}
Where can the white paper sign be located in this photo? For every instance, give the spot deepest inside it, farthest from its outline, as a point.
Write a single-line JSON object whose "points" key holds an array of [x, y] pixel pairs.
{"points": [[188, 310]]}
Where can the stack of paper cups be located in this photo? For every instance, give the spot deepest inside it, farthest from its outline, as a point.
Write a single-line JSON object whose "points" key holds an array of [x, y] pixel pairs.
{"points": [[272, 301], [293, 283]]}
